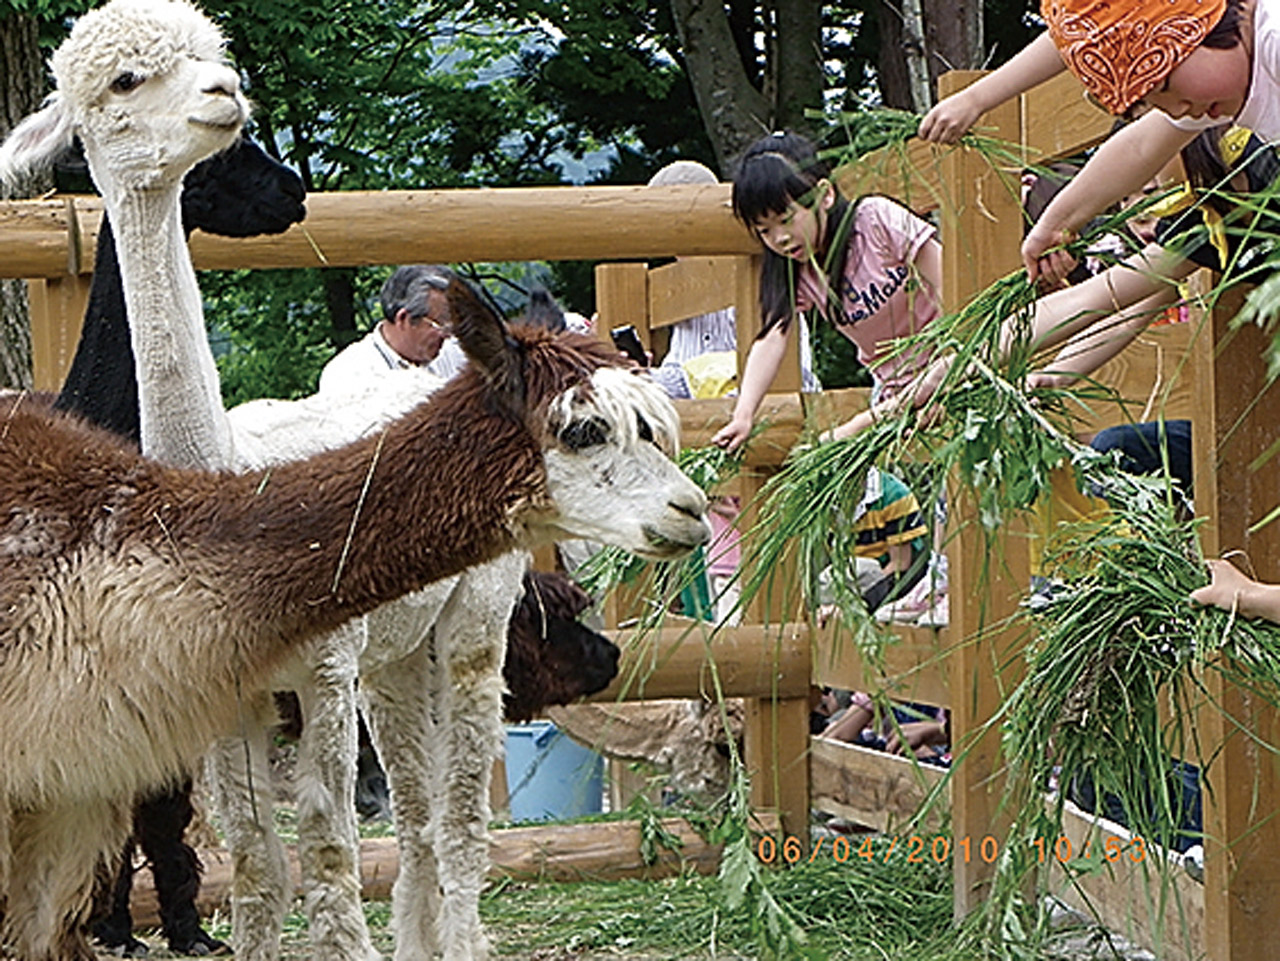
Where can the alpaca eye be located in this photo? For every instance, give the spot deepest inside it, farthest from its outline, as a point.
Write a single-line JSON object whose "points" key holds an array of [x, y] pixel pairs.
{"points": [[646, 432], [582, 434], [126, 81]]}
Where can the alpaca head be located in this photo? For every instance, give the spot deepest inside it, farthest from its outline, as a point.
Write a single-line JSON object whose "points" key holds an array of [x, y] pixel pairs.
{"points": [[606, 435], [145, 86]]}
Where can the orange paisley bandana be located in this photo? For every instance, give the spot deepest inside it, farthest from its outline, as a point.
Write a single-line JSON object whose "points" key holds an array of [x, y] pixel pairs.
{"points": [[1121, 49]]}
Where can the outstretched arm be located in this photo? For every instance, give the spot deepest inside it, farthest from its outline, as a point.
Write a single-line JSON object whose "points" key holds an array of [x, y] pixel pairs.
{"points": [[1232, 590], [1095, 345], [1123, 165], [952, 117], [762, 365]]}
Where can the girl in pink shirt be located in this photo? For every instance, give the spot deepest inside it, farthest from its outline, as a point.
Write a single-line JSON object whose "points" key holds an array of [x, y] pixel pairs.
{"points": [[871, 267]]}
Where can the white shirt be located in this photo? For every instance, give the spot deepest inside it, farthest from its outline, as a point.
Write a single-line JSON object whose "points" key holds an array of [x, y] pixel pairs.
{"points": [[372, 356]]}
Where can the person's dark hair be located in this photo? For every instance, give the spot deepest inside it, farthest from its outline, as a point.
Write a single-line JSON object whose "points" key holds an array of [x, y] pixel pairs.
{"points": [[1226, 32], [774, 172], [410, 287]]}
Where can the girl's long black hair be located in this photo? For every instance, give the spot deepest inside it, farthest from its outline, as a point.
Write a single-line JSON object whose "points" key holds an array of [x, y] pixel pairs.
{"points": [[774, 172]]}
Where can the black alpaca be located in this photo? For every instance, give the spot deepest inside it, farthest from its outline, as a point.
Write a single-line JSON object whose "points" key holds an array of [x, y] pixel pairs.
{"points": [[239, 193]]}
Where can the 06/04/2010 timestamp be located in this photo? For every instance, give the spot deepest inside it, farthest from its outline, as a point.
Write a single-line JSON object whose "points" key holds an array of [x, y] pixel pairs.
{"points": [[940, 848]]}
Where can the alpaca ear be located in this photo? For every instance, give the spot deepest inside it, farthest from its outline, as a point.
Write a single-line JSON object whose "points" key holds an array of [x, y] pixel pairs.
{"points": [[35, 142], [483, 335]]}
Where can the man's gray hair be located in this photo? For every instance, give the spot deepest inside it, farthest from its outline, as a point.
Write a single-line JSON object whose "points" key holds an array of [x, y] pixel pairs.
{"points": [[410, 287]]}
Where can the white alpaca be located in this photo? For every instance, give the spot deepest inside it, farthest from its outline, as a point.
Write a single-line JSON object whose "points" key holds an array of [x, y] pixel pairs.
{"points": [[119, 78]]}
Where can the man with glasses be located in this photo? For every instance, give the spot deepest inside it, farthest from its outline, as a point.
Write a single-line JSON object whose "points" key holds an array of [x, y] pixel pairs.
{"points": [[415, 332]]}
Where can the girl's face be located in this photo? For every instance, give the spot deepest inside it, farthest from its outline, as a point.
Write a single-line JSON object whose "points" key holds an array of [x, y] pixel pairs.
{"points": [[1209, 83], [797, 231]]}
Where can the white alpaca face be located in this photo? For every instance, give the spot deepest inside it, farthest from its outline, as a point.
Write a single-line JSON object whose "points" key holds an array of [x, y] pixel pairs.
{"points": [[610, 475], [148, 90]]}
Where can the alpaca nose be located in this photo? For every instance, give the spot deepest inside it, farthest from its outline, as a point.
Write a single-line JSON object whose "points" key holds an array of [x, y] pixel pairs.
{"points": [[221, 82]]}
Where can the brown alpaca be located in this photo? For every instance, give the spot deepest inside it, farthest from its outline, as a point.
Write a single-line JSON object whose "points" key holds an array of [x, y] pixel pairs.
{"points": [[122, 581]]}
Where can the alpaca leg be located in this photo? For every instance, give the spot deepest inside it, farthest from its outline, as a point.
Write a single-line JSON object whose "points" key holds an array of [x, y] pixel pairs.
{"points": [[328, 840], [114, 928], [56, 853], [160, 820], [397, 710], [471, 637], [260, 889]]}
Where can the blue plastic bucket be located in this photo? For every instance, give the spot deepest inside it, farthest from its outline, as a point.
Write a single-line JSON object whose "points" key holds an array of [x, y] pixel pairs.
{"points": [[550, 776]]}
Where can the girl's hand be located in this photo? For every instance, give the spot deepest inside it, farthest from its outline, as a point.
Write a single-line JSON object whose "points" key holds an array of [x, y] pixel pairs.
{"points": [[1044, 257], [950, 119], [733, 435], [1046, 380]]}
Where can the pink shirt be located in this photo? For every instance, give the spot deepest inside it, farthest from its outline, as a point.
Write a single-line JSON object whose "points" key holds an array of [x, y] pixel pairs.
{"points": [[882, 299]]}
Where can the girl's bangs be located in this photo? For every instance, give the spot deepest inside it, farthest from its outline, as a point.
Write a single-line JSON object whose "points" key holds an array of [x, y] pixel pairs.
{"points": [[768, 184]]}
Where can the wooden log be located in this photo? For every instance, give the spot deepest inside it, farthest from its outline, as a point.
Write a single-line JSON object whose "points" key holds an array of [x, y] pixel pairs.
{"points": [[358, 228], [752, 660], [598, 850]]}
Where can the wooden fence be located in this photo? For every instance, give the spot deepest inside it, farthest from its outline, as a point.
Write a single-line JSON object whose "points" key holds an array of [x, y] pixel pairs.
{"points": [[48, 241]]}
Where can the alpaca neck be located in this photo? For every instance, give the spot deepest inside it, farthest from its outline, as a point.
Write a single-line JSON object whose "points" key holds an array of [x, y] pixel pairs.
{"points": [[439, 491], [182, 418]]}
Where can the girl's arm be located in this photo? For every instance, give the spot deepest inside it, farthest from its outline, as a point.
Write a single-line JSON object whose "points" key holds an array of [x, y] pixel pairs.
{"points": [[952, 117], [1094, 346], [1123, 165], [762, 365], [1150, 273]]}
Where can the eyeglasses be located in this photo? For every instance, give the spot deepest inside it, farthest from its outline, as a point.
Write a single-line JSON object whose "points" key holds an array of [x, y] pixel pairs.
{"points": [[430, 321]]}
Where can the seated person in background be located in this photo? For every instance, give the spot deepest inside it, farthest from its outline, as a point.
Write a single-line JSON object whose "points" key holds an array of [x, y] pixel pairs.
{"points": [[414, 332], [919, 729], [892, 545]]}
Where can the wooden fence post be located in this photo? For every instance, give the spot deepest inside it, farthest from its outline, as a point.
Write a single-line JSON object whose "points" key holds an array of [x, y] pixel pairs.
{"points": [[981, 235], [1242, 869]]}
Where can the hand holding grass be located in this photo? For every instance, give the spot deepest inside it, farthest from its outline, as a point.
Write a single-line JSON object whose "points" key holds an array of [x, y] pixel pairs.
{"points": [[1232, 590]]}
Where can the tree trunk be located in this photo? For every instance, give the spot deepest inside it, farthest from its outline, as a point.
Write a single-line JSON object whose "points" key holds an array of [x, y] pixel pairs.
{"points": [[798, 62], [916, 56], [21, 86], [734, 112], [891, 68], [953, 36], [951, 39]]}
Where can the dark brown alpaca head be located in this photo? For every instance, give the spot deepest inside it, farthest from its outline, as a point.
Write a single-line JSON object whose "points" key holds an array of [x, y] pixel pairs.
{"points": [[552, 657]]}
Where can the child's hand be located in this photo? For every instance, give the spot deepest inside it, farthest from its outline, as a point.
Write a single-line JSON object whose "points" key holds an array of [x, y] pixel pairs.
{"points": [[732, 435], [1044, 256], [1229, 589], [950, 119]]}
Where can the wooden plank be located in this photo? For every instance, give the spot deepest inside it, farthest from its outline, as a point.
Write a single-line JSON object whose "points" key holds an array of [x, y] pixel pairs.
{"points": [[1122, 895], [621, 295], [752, 660], [57, 307], [782, 417], [598, 850], [870, 787], [915, 665], [1057, 120], [776, 736], [1157, 374], [1242, 873], [689, 287]]}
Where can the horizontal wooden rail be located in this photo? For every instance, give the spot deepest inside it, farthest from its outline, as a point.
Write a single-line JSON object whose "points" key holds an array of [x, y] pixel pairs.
{"points": [[752, 660], [53, 237]]}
